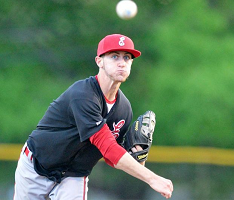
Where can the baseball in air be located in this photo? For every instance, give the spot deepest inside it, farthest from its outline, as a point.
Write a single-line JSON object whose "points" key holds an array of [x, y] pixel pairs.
{"points": [[126, 9]]}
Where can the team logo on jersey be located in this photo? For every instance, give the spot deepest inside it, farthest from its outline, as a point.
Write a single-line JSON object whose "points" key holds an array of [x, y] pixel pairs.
{"points": [[117, 127], [121, 41]]}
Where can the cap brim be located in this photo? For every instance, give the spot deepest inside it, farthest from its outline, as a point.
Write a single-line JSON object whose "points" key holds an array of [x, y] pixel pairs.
{"points": [[134, 52]]}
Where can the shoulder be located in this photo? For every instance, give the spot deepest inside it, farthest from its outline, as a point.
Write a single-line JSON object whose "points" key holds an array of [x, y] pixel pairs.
{"points": [[86, 88], [85, 94], [80, 85]]}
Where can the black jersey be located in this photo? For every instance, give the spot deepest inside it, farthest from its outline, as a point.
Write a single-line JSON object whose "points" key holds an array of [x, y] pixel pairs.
{"points": [[60, 143]]}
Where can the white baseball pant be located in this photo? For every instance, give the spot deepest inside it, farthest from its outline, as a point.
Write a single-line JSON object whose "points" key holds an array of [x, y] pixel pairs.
{"points": [[30, 185]]}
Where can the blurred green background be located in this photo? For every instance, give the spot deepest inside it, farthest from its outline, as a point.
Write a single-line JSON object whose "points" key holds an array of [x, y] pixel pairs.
{"points": [[185, 75]]}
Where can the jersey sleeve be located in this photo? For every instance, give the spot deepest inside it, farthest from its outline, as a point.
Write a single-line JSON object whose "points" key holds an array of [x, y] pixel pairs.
{"points": [[108, 146], [109, 162], [87, 115]]}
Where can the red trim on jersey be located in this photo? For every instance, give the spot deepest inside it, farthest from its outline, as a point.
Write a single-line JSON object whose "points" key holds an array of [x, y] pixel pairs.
{"points": [[110, 102], [107, 145], [107, 100], [97, 79]]}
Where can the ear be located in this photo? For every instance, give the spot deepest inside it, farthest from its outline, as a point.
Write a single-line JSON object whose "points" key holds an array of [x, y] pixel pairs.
{"points": [[99, 61]]}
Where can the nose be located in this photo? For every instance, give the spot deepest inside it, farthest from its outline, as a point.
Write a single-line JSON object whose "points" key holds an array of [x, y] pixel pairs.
{"points": [[122, 62]]}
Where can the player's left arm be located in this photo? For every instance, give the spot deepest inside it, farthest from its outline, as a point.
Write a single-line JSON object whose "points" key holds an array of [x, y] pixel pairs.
{"points": [[107, 145], [137, 142]]}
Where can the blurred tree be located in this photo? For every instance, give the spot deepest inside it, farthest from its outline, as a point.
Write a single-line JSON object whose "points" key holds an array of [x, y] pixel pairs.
{"points": [[184, 74], [193, 73]]}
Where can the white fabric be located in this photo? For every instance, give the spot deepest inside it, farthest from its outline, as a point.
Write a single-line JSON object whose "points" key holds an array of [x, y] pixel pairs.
{"points": [[109, 106], [31, 186], [71, 188]]}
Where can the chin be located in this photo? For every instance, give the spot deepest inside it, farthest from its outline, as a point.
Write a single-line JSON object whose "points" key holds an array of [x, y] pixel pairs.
{"points": [[122, 79]]}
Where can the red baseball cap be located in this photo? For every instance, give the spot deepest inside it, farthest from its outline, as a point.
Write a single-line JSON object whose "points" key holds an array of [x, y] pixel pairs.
{"points": [[117, 42]]}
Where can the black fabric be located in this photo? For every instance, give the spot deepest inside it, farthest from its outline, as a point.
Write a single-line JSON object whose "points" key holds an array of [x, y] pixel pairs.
{"points": [[61, 140]]}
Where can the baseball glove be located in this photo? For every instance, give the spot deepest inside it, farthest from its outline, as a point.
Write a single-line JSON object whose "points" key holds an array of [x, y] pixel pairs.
{"points": [[141, 133]]}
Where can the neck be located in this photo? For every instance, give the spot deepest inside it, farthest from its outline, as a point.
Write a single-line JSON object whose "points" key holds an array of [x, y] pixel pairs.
{"points": [[108, 87]]}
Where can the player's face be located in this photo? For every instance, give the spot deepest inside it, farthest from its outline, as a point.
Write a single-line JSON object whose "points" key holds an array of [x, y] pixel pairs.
{"points": [[117, 65]]}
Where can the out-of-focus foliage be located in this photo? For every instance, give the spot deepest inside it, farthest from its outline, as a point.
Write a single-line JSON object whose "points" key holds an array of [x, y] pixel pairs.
{"points": [[190, 85], [185, 73]]}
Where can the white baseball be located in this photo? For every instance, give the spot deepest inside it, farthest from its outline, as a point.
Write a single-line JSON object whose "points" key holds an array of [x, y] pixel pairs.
{"points": [[126, 9]]}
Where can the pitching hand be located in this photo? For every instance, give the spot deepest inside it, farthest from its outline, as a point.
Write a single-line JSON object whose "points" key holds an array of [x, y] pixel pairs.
{"points": [[163, 186]]}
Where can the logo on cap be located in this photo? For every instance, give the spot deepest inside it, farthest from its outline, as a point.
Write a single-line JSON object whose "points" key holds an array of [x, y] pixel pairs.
{"points": [[121, 41]]}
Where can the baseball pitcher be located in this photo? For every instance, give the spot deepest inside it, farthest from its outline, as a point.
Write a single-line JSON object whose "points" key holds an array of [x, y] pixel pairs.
{"points": [[89, 121]]}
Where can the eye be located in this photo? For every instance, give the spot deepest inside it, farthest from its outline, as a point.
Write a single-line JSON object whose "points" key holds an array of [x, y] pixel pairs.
{"points": [[114, 57], [127, 57]]}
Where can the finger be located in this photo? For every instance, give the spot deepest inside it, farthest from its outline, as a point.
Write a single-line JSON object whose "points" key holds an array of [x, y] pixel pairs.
{"points": [[138, 147], [167, 196], [133, 149], [164, 195]]}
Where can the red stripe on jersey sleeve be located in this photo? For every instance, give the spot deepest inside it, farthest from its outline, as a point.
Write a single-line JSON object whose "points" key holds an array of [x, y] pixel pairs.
{"points": [[107, 145]]}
